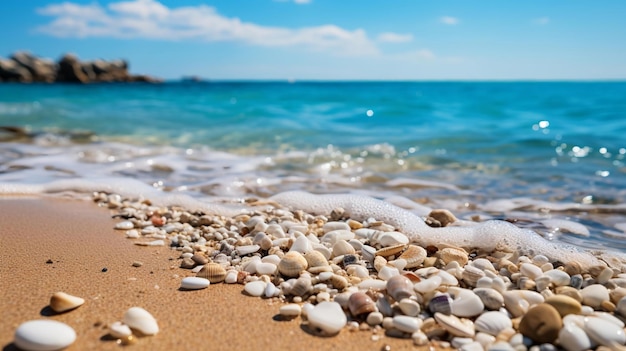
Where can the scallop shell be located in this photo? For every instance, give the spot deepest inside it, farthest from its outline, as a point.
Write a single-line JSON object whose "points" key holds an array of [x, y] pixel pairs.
{"points": [[400, 287], [301, 287], [212, 271], [61, 302], [292, 264], [361, 304], [492, 322], [455, 326], [471, 275], [414, 256], [339, 282], [450, 254], [315, 258], [390, 250]]}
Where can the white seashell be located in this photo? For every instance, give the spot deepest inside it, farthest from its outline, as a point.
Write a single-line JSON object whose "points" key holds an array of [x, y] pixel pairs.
{"points": [[275, 230], [357, 271], [125, 225], [292, 264], [515, 304], [485, 339], [594, 295], [43, 335], [414, 256], [399, 264], [447, 278], [266, 268], [374, 284], [455, 326], [247, 249], [301, 245], [472, 274], [194, 283], [604, 332], [120, 330], [141, 320], [428, 285], [368, 253], [328, 317], [491, 298], [61, 302], [558, 277], [275, 259], [465, 303], [530, 270], [407, 324], [291, 310], [342, 247], [573, 338], [331, 226], [335, 235], [400, 287], [255, 288], [386, 239], [492, 322], [231, 277]]}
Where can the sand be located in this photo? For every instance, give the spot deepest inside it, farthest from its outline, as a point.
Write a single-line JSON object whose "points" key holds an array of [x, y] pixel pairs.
{"points": [[93, 261]]}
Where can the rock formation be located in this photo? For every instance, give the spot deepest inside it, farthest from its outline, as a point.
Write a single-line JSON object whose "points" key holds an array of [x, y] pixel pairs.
{"points": [[24, 67]]}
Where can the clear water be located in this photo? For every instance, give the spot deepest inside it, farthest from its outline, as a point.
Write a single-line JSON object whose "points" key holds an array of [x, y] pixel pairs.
{"points": [[523, 150]]}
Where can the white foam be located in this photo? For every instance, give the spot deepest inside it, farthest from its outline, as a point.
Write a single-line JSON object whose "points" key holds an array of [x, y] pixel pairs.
{"points": [[488, 236]]}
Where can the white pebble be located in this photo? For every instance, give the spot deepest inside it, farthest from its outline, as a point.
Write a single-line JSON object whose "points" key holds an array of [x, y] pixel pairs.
{"points": [[407, 324], [194, 283], [328, 317], [125, 225], [119, 330], [231, 277], [43, 335], [291, 310], [256, 288], [132, 234], [271, 290], [139, 319]]}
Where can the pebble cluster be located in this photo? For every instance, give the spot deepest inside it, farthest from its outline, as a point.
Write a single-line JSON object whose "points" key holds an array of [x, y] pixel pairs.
{"points": [[336, 273]]}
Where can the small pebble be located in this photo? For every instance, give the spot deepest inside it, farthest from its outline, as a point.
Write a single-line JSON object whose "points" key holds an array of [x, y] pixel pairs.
{"points": [[44, 335]]}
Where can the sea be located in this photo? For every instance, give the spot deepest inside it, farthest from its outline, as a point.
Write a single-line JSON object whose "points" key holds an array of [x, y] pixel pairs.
{"points": [[550, 156]]}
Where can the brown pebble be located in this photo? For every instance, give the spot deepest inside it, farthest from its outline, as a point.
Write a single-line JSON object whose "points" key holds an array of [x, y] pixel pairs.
{"points": [[608, 306], [541, 323], [187, 263], [444, 217], [569, 291], [199, 259], [137, 264], [564, 304]]}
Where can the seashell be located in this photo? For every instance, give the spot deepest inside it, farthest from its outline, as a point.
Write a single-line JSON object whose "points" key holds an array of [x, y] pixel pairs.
{"points": [[327, 317], [387, 272], [331, 226], [604, 332], [407, 324], [492, 322], [373, 284], [414, 278], [472, 274], [141, 320], [357, 271], [573, 338], [455, 326], [447, 278], [255, 288], [231, 277], [400, 287], [379, 263], [214, 272], [386, 239], [441, 304], [302, 245], [368, 253], [390, 250], [262, 240], [301, 287], [62, 302], [194, 283], [491, 298], [452, 254], [483, 264], [465, 302], [339, 282], [315, 258], [292, 264], [291, 310], [199, 259], [383, 305], [594, 295], [335, 235], [119, 330], [414, 256], [409, 307], [515, 304], [342, 247], [43, 334], [361, 304]]}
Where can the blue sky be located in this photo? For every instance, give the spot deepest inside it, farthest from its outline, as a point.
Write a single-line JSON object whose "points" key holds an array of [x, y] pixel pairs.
{"points": [[331, 39]]}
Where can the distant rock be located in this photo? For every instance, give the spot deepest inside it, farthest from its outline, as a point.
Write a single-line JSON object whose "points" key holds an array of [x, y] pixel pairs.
{"points": [[24, 67]]}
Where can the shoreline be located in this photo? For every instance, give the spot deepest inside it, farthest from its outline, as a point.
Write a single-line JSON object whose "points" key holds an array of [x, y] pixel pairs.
{"points": [[80, 240]]}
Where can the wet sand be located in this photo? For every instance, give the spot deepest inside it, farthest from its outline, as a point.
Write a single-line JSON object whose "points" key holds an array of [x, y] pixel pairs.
{"points": [[91, 260]]}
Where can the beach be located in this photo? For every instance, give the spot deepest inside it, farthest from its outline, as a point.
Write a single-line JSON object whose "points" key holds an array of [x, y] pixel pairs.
{"points": [[79, 239]]}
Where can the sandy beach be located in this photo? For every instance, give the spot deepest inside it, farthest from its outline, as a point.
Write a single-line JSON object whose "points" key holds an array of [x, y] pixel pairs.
{"points": [[92, 260]]}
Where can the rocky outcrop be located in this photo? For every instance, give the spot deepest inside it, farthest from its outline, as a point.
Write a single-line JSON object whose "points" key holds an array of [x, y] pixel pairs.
{"points": [[24, 67]]}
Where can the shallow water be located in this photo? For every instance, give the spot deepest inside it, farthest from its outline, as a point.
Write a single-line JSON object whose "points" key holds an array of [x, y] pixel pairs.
{"points": [[521, 151]]}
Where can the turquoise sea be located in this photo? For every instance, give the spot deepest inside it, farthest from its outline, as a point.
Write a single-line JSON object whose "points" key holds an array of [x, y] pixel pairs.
{"points": [[528, 152]]}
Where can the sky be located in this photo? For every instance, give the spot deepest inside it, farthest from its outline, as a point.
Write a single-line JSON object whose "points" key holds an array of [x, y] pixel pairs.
{"points": [[330, 39]]}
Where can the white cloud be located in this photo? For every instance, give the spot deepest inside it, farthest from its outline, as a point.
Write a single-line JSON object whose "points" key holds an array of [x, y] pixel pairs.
{"points": [[152, 20], [389, 37], [449, 20], [541, 21], [415, 56], [302, 2]]}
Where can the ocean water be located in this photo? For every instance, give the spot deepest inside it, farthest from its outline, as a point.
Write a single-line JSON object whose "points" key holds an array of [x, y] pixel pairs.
{"points": [[528, 152]]}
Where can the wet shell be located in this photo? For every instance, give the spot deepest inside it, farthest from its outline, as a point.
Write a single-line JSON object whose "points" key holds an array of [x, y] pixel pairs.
{"points": [[361, 304], [400, 287], [301, 287], [390, 250], [292, 264], [214, 272], [451, 254], [61, 302], [414, 256]]}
